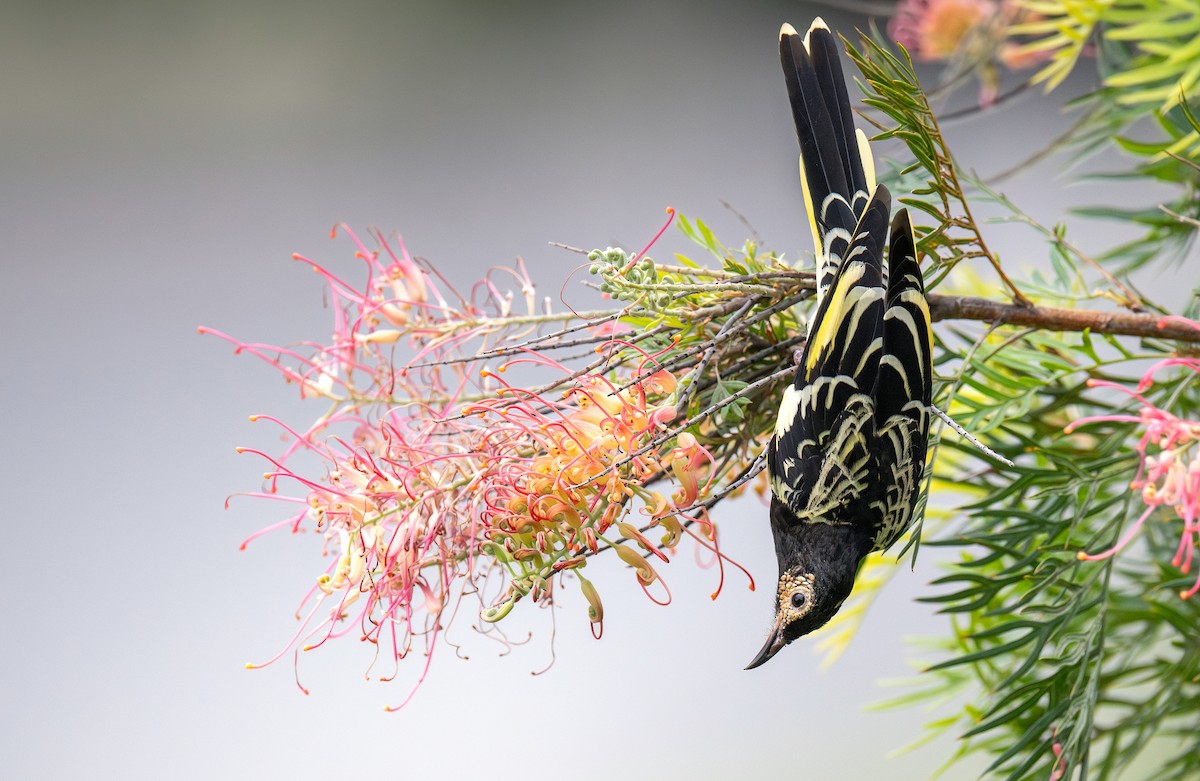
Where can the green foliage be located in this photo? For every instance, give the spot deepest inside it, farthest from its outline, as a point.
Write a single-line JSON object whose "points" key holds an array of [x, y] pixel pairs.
{"points": [[894, 90], [1062, 29], [1149, 49], [1056, 666], [1053, 646], [1148, 55]]}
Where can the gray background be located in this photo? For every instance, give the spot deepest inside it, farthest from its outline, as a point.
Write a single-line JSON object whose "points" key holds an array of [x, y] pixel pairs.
{"points": [[160, 164]]}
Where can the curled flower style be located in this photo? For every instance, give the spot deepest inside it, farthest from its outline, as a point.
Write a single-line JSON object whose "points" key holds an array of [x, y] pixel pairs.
{"points": [[1168, 475]]}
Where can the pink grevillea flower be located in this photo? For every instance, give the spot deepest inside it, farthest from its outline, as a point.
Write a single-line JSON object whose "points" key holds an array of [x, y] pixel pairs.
{"points": [[933, 30], [432, 479], [1168, 476], [974, 34]]}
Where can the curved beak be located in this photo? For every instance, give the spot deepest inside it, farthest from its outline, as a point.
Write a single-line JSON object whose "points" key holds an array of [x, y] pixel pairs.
{"points": [[771, 647]]}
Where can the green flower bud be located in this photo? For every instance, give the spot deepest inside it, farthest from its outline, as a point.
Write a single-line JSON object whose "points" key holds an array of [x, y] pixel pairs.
{"points": [[496, 612], [595, 606]]}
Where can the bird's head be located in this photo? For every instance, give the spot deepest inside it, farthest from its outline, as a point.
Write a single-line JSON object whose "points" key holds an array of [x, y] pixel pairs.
{"points": [[817, 565]]}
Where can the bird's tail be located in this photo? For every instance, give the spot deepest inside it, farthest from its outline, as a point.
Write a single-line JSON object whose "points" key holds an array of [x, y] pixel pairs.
{"points": [[852, 430], [837, 170]]}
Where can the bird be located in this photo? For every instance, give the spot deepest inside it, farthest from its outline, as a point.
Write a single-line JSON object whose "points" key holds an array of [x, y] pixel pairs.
{"points": [[847, 455]]}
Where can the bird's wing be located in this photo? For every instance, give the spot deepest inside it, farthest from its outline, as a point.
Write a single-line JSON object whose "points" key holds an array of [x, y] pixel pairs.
{"points": [[820, 453], [904, 385]]}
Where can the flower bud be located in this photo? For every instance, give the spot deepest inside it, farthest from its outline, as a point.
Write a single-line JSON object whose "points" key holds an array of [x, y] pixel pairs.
{"points": [[645, 572], [673, 530], [595, 607], [496, 612]]}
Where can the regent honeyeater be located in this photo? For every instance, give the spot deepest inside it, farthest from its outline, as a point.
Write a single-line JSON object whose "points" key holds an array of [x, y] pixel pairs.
{"points": [[848, 452]]}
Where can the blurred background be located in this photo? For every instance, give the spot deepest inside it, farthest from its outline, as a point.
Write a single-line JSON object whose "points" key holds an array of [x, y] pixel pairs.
{"points": [[161, 162]]}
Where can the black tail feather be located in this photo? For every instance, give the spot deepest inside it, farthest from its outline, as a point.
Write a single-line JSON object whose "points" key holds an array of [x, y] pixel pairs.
{"points": [[837, 189]]}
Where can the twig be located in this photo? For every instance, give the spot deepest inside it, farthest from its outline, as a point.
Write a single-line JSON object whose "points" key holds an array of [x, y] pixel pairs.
{"points": [[1149, 326], [742, 219], [1133, 301], [673, 432], [962, 432], [1181, 217], [677, 361], [685, 399], [944, 307]]}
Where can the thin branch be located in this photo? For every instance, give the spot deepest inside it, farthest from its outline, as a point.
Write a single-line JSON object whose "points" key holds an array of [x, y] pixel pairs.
{"points": [[685, 399], [1132, 300], [1181, 217], [686, 423], [962, 432], [1046, 318], [943, 307]]}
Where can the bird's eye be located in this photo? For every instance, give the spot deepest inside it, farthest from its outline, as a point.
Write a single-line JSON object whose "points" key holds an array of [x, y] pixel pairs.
{"points": [[798, 599]]}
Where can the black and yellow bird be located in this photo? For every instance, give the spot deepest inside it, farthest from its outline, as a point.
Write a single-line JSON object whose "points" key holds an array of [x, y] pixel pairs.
{"points": [[848, 452]]}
